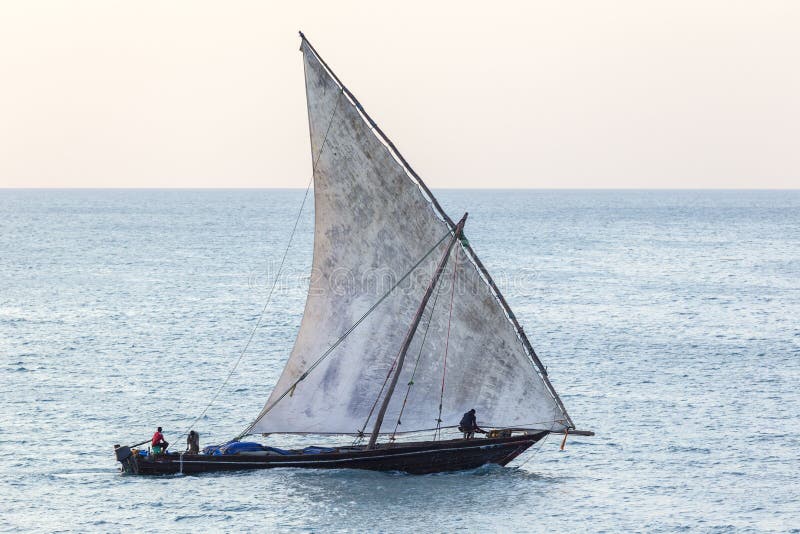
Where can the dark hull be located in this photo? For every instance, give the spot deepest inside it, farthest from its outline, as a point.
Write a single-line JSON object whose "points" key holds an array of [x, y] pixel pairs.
{"points": [[415, 458]]}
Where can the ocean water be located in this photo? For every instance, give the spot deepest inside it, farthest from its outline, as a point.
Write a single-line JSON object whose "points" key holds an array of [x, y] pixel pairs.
{"points": [[669, 321]]}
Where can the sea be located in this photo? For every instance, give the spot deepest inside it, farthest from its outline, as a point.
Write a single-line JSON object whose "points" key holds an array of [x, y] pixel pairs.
{"points": [[669, 321]]}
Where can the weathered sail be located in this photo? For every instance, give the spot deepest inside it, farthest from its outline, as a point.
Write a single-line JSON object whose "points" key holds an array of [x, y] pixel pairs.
{"points": [[373, 223]]}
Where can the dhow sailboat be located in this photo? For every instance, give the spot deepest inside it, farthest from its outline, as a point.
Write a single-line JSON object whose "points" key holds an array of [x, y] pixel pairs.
{"points": [[404, 329]]}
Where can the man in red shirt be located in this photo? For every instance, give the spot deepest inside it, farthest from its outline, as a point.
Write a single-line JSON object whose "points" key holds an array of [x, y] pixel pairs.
{"points": [[158, 440]]}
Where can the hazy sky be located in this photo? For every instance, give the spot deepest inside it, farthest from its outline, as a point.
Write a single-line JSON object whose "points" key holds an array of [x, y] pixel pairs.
{"points": [[491, 94]]}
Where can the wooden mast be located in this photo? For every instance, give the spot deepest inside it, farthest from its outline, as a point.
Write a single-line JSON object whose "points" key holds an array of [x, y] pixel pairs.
{"points": [[411, 331]]}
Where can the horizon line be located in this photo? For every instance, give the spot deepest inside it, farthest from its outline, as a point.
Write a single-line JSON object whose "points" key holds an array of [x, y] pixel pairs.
{"points": [[267, 188]]}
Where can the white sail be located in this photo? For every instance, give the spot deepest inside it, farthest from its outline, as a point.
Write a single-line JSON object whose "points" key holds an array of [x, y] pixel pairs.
{"points": [[373, 224]]}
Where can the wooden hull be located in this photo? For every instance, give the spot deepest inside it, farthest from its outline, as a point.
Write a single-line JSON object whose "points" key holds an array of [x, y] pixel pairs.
{"points": [[415, 458]]}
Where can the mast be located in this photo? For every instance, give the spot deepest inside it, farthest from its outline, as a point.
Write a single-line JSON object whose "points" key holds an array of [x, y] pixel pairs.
{"points": [[411, 331]]}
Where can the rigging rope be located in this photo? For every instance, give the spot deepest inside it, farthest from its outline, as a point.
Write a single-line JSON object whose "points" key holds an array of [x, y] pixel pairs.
{"points": [[533, 450], [260, 317], [344, 335], [360, 434], [277, 276], [416, 363], [446, 347]]}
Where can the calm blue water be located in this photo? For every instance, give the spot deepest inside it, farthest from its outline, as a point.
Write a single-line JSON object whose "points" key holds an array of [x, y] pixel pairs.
{"points": [[670, 323]]}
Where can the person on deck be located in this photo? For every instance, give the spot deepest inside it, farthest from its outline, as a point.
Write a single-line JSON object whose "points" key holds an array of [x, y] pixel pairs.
{"points": [[158, 441], [193, 442], [469, 425]]}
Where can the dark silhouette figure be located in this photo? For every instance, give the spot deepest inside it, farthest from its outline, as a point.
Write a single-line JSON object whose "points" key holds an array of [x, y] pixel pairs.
{"points": [[469, 425], [193, 442]]}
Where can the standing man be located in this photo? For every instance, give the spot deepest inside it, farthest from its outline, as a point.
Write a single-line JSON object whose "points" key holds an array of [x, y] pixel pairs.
{"points": [[193, 442], [158, 441]]}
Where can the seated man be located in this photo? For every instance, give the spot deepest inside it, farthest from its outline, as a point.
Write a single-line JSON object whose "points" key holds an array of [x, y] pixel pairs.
{"points": [[469, 425], [158, 443]]}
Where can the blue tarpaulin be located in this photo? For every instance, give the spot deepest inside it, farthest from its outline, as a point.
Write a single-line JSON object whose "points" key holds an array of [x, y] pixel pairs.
{"points": [[241, 446], [277, 450], [236, 447]]}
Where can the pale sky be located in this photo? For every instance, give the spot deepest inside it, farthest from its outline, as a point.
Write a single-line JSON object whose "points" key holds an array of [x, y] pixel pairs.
{"points": [[537, 94]]}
